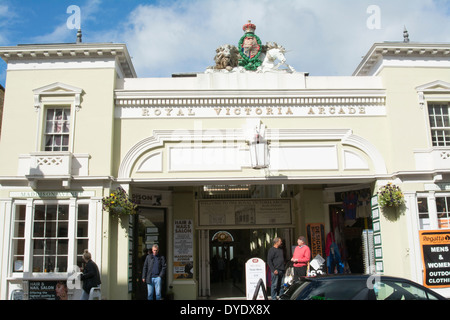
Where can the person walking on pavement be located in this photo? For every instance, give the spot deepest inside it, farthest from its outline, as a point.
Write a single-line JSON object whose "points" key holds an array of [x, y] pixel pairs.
{"points": [[275, 259], [153, 272]]}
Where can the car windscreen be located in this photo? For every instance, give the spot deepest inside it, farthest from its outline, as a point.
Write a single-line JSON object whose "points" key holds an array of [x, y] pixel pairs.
{"points": [[294, 290], [335, 289]]}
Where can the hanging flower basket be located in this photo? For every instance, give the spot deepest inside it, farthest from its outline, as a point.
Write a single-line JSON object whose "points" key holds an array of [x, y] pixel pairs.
{"points": [[118, 204], [390, 195]]}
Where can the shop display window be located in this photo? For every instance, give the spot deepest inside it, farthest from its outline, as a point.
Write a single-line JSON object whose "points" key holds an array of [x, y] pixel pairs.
{"points": [[434, 212], [424, 217], [49, 237], [82, 233], [18, 240], [442, 206]]}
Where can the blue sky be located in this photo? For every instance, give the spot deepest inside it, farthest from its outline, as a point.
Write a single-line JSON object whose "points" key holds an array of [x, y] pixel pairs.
{"points": [[323, 37]]}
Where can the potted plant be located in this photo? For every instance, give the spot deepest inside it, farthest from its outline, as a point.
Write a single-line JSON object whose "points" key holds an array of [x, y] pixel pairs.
{"points": [[118, 204], [390, 195], [391, 200]]}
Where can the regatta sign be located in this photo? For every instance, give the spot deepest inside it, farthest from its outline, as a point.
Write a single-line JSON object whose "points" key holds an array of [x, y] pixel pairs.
{"points": [[436, 257]]}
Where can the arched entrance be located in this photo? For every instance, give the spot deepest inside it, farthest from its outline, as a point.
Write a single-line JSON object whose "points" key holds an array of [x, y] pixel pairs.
{"points": [[222, 252], [229, 251]]}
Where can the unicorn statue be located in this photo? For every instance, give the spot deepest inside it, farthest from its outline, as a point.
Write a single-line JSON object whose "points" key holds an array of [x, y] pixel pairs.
{"points": [[273, 58]]}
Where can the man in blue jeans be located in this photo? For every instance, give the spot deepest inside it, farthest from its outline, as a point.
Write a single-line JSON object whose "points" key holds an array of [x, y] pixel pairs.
{"points": [[275, 259], [153, 272]]}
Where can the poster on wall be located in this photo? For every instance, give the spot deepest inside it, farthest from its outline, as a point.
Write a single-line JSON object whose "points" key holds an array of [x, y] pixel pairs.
{"points": [[47, 290], [183, 244], [316, 240], [244, 212], [435, 246]]}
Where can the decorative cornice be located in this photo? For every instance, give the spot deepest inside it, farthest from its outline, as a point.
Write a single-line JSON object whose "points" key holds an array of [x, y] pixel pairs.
{"points": [[303, 97], [58, 89], [71, 51], [401, 49], [238, 101], [437, 89]]}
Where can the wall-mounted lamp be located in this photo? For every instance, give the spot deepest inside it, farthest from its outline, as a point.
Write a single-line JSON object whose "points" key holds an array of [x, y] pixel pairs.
{"points": [[259, 150]]}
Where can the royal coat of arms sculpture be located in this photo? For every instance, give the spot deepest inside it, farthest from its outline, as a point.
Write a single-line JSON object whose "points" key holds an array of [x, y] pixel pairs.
{"points": [[250, 48], [250, 55]]}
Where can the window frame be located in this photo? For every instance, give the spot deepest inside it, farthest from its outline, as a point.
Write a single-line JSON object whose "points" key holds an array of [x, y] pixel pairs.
{"points": [[435, 142], [56, 94], [29, 255], [46, 231], [15, 236], [52, 134], [42, 126], [443, 216], [431, 217]]}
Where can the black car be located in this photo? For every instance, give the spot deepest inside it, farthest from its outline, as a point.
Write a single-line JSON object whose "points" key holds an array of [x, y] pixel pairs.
{"points": [[358, 287]]}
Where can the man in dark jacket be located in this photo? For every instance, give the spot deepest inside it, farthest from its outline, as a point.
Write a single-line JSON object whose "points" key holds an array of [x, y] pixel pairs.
{"points": [[90, 275], [153, 272], [275, 259]]}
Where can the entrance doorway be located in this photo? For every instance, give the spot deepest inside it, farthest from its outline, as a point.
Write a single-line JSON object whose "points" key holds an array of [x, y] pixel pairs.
{"points": [[150, 229], [229, 251], [346, 231]]}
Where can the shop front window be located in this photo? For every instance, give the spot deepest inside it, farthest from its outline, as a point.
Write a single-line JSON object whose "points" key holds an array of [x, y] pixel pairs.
{"points": [[18, 240], [434, 211], [50, 238], [82, 232], [424, 217], [442, 206]]}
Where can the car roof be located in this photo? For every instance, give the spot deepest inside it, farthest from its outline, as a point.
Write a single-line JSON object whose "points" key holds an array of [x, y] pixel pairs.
{"points": [[347, 276], [365, 277]]}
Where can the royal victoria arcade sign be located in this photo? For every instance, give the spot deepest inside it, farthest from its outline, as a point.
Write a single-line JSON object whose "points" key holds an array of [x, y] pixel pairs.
{"points": [[229, 107]]}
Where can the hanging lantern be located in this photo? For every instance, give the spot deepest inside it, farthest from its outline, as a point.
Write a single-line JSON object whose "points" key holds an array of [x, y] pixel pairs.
{"points": [[259, 151]]}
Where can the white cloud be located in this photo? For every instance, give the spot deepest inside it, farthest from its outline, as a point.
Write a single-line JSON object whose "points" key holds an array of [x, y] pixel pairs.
{"points": [[323, 37], [61, 33]]}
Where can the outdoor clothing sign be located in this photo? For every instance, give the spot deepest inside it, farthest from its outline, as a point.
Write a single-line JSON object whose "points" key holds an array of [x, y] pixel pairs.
{"points": [[436, 257]]}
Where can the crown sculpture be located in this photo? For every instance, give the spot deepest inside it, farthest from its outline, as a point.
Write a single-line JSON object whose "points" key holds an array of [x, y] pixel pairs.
{"points": [[249, 27], [250, 55]]}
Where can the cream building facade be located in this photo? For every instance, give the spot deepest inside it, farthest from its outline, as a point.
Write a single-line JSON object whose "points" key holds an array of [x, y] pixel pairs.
{"points": [[219, 163]]}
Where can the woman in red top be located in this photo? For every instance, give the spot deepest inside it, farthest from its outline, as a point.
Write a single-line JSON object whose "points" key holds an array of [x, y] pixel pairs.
{"points": [[301, 257]]}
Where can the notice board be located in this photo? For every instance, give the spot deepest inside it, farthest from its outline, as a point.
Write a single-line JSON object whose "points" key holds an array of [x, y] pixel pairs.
{"points": [[244, 212], [435, 246]]}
